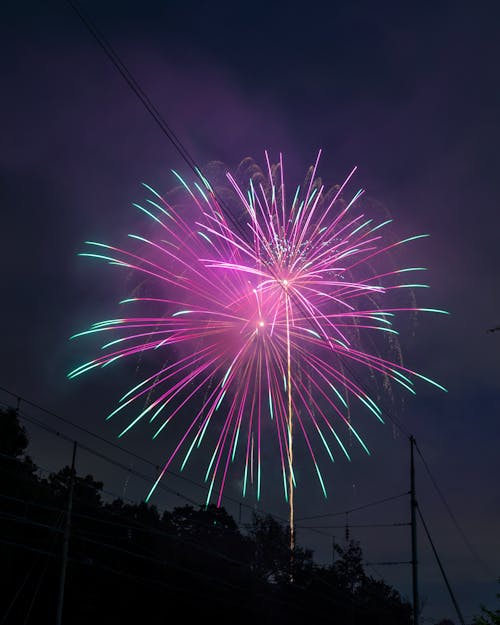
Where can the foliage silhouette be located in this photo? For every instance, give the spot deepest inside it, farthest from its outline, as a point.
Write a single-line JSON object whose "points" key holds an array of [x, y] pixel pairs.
{"points": [[487, 616], [131, 563]]}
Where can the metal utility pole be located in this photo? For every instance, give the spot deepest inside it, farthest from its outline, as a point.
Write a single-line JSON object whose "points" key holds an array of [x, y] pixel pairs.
{"points": [[413, 506], [67, 527]]}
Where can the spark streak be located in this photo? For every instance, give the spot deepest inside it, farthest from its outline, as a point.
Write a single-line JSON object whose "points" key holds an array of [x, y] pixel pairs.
{"points": [[256, 323]]}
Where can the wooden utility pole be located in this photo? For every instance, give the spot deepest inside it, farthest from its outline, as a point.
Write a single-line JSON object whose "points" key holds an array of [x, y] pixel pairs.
{"points": [[67, 528]]}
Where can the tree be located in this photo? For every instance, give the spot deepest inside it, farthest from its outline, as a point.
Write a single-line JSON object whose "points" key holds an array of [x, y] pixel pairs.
{"points": [[350, 566], [123, 557], [13, 437], [17, 470], [380, 604], [488, 617], [204, 521], [87, 491], [271, 551]]}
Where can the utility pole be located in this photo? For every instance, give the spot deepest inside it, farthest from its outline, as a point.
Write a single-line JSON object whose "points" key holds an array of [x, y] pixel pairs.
{"points": [[67, 527], [413, 506]]}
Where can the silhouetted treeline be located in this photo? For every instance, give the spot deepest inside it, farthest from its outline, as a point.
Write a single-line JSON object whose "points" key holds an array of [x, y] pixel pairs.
{"points": [[132, 564]]}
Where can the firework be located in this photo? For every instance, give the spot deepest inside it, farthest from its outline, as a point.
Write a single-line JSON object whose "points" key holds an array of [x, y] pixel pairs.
{"points": [[257, 309]]}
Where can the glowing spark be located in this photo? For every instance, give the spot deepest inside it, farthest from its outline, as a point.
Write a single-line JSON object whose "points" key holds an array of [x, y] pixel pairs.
{"points": [[307, 273]]}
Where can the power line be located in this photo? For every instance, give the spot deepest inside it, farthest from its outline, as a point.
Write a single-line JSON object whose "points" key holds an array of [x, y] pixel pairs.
{"points": [[402, 524], [78, 536], [104, 457], [139, 474], [123, 70], [191, 571], [134, 527], [368, 505], [482, 563], [441, 568], [85, 537], [108, 569], [55, 530], [137, 526], [146, 529], [162, 485], [128, 469], [96, 436], [390, 563], [135, 86]]}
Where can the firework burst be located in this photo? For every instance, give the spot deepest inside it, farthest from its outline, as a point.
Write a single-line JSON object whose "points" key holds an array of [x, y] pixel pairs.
{"points": [[260, 313]]}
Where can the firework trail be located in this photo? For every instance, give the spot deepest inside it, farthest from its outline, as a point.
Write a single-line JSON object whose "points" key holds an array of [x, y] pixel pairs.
{"points": [[260, 312]]}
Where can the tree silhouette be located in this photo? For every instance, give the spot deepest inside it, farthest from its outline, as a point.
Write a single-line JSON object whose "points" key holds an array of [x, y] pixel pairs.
{"points": [[129, 562], [488, 617]]}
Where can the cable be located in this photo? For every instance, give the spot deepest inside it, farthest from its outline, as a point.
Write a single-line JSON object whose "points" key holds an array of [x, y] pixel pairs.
{"points": [[55, 530], [168, 132], [41, 576], [131, 81], [403, 524], [138, 527], [135, 86], [152, 110], [25, 521], [388, 563], [459, 613], [94, 435], [50, 430], [78, 535], [81, 535], [342, 512], [483, 564], [149, 581], [166, 488], [120, 448], [5, 541], [162, 486]]}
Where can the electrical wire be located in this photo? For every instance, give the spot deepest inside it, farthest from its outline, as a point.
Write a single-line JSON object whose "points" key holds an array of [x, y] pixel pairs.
{"points": [[467, 542], [67, 421], [134, 85], [441, 568], [368, 505], [55, 531], [402, 524]]}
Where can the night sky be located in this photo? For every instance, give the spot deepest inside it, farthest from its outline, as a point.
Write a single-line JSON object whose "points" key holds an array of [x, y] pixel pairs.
{"points": [[408, 92]]}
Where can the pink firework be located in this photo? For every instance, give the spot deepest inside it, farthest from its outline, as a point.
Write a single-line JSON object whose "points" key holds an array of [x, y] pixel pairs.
{"points": [[262, 312]]}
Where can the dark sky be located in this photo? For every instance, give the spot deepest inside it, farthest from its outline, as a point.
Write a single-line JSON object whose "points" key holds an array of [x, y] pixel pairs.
{"points": [[408, 92]]}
